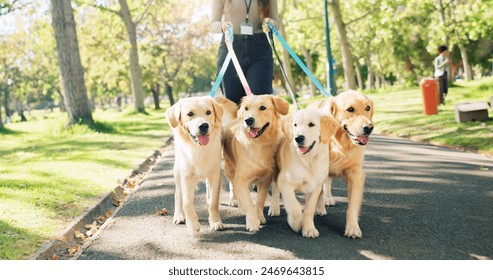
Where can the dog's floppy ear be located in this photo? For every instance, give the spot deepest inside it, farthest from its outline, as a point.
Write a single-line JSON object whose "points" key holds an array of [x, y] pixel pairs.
{"points": [[371, 105], [173, 114], [282, 106], [286, 124], [328, 127], [229, 106], [218, 110], [331, 105]]}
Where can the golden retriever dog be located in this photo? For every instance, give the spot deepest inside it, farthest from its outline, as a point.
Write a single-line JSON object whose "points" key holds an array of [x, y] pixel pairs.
{"points": [[250, 147], [197, 132], [303, 161], [354, 112]]}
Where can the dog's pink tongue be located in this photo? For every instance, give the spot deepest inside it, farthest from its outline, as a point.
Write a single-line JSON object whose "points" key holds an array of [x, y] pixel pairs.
{"points": [[203, 139], [253, 132], [363, 139], [303, 150]]}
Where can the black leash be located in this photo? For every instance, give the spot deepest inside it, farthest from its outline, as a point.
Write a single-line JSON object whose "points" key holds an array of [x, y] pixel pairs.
{"points": [[288, 84]]}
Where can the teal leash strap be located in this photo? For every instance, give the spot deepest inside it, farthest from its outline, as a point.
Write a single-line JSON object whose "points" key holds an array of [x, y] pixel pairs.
{"points": [[220, 76], [297, 59]]}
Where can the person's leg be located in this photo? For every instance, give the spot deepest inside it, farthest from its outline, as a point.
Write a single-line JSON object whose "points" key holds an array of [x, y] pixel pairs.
{"points": [[260, 70], [440, 89], [230, 86]]}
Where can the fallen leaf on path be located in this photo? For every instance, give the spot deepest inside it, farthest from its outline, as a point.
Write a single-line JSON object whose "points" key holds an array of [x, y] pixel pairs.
{"points": [[73, 250], [117, 202], [79, 236], [162, 212], [104, 217]]}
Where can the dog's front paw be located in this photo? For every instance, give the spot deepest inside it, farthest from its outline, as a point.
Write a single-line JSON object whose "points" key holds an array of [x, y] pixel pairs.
{"points": [[330, 201], [274, 211], [193, 227], [253, 224], [262, 219], [179, 218], [295, 222], [353, 231], [215, 226], [320, 210], [310, 232]]}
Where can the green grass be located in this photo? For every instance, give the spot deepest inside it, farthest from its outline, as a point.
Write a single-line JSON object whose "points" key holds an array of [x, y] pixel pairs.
{"points": [[50, 174], [400, 113]]}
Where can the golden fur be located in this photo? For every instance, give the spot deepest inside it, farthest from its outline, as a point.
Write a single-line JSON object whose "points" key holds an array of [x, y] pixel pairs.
{"points": [[197, 158], [354, 112], [250, 147], [303, 160]]}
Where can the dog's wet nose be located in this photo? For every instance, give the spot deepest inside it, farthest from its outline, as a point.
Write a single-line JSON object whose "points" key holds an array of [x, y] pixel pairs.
{"points": [[249, 121], [204, 128], [368, 129], [300, 139]]}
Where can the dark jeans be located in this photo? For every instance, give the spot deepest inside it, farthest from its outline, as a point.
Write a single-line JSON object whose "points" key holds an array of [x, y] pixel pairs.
{"points": [[255, 56], [443, 86]]}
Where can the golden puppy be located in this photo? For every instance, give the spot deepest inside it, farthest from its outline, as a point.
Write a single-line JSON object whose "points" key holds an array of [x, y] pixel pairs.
{"points": [[354, 112], [197, 132], [250, 147], [303, 161]]}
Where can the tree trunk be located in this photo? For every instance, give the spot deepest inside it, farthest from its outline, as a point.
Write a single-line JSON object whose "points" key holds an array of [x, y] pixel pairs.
{"points": [[369, 78], [19, 107], [441, 13], [308, 60], [135, 71], [358, 76], [347, 58], [169, 92], [74, 88], [6, 99], [155, 95], [465, 63], [284, 53]]}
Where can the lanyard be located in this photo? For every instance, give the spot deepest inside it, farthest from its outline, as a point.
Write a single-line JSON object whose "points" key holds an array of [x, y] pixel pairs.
{"points": [[248, 5]]}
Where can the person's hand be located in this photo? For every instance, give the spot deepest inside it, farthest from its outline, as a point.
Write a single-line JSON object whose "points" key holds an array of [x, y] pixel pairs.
{"points": [[265, 26], [225, 25]]}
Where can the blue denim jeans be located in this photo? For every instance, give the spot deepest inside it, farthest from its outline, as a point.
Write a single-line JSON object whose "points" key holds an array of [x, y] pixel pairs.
{"points": [[255, 56]]}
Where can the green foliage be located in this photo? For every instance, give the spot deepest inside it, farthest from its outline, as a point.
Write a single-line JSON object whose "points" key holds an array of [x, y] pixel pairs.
{"points": [[50, 173], [401, 113]]}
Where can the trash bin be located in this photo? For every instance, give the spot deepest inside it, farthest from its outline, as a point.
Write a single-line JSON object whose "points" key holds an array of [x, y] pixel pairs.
{"points": [[429, 91]]}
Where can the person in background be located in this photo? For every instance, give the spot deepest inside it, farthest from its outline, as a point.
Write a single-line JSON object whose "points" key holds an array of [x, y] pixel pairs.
{"points": [[441, 71], [248, 19]]}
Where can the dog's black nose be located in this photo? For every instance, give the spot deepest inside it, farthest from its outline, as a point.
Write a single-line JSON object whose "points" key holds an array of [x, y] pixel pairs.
{"points": [[368, 129], [250, 121], [204, 128], [300, 139]]}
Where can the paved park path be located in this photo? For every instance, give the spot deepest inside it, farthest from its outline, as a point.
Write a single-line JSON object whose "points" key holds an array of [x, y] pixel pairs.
{"points": [[421, 202]]}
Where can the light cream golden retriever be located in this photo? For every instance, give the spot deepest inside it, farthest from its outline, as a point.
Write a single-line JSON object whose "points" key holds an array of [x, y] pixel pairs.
{"points": [[250, 147], [197, 132], [303, 161], [354, 112]]}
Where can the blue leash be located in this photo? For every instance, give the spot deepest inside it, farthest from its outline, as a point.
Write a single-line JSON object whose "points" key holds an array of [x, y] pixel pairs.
{"points": [[220, 76], [296, 58]]}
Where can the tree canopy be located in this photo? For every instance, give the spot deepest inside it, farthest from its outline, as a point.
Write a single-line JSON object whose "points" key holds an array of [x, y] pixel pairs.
{"points": [[388, 42]]}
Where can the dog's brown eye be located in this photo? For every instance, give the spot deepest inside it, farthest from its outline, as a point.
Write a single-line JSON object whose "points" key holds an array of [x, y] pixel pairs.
{"points": [[295, 125], [190, 114], [311, 124], [367, 108], [208, 112], [350, 109], [263, 108], [246, 108]]}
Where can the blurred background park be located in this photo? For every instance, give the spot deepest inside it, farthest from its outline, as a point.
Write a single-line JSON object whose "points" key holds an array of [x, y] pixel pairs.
{"points": [[64, 145]]}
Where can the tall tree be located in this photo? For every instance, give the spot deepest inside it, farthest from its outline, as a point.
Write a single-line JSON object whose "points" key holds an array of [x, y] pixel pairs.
{"points": [[347, 57], [131, 27], [74, 88]]}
